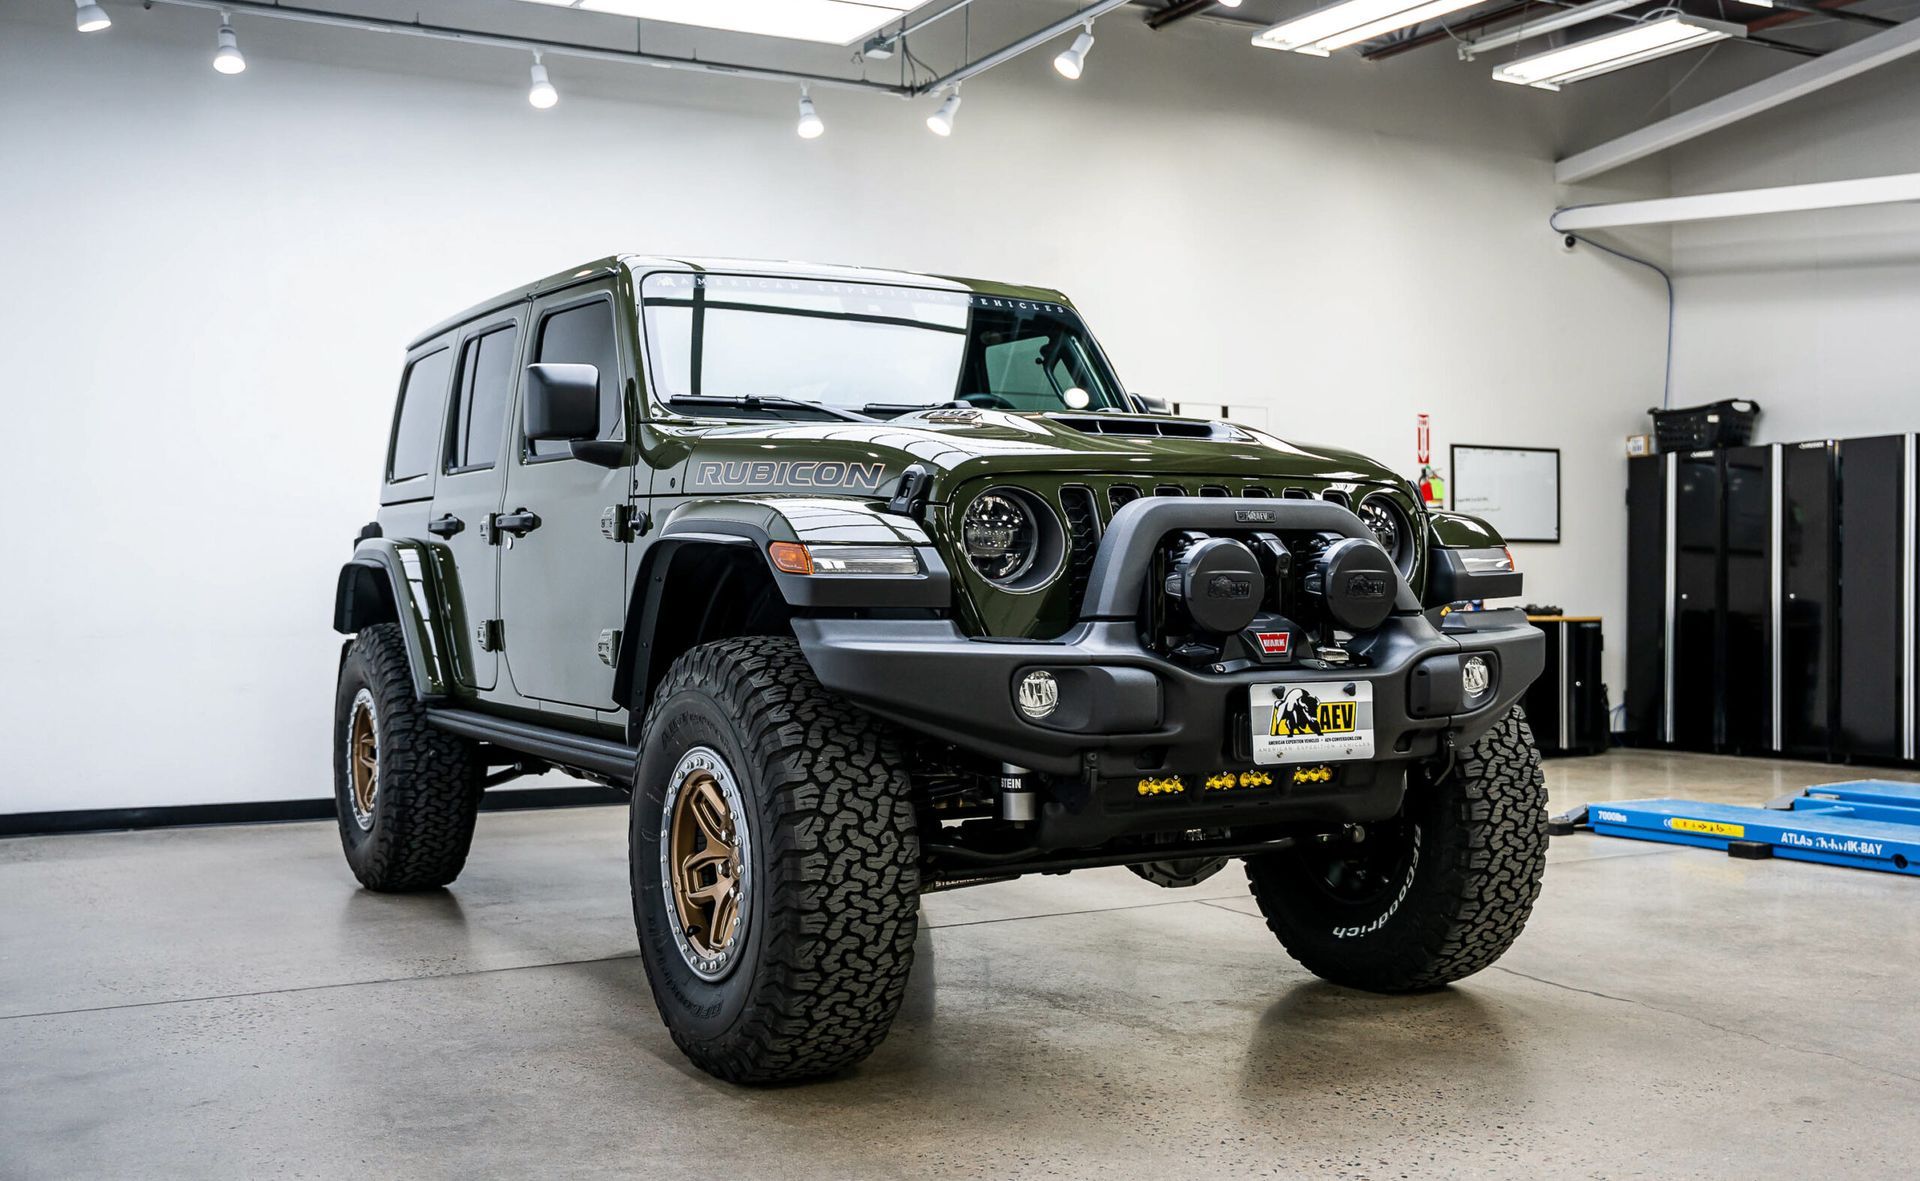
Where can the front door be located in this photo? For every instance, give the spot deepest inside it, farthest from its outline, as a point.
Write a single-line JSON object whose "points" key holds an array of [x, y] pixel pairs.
{"points": [[467, 493], [563, 580]]}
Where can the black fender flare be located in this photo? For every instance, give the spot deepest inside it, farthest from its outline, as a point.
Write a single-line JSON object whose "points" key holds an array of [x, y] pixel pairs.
{"points": [[749, 525], [1463, 560], [409, 583]]}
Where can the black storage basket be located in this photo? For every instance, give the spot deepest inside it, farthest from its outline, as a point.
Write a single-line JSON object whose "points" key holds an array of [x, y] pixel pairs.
{"points": [[1697, 428]]}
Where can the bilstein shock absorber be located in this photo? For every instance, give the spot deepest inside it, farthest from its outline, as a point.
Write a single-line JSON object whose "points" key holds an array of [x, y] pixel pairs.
{"points": [[1017, 802]]}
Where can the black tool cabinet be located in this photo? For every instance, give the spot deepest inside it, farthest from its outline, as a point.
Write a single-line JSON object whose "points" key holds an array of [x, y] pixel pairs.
{"points": [[1771, 603]]}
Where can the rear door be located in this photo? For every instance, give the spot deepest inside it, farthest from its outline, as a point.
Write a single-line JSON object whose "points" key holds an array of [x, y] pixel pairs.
{"points": [[467, 494], [563, 581]]}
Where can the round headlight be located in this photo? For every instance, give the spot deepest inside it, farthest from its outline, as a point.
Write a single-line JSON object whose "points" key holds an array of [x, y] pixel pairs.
{"points": [[1388, 523], [1013, 539], [1000, 535]]}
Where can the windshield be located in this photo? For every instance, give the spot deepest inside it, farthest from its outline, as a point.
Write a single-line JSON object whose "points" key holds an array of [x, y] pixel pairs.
{"points": [[773, 344]]}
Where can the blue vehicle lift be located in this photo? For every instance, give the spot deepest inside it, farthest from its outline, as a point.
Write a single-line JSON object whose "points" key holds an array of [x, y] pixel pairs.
{"points": [[1862, 824]]}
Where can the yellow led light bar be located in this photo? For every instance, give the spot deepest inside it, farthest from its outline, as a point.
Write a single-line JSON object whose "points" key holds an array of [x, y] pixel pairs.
{"points": [[1162, 785]]}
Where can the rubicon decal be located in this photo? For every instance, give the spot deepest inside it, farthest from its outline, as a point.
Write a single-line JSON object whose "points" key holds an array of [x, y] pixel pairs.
{"points": [[784, 473]]}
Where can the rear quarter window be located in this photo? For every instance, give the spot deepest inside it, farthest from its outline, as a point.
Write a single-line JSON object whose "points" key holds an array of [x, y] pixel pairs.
{"points": [[416, 427]]}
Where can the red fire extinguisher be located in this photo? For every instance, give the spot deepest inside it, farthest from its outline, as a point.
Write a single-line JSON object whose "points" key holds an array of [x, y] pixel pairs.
{"points": [[1433, 487]]}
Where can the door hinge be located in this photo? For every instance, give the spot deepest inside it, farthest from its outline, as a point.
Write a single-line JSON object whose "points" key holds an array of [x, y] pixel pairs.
{"points": [[620, 522], [609, 646], [489, 635], [615, 521]]}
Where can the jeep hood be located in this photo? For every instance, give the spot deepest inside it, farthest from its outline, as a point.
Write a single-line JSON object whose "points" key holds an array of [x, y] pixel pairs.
{"points": [[956, 446]]}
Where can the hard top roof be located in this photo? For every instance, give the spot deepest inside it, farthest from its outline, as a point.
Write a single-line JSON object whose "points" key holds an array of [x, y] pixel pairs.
{"points": [[642, 263]]}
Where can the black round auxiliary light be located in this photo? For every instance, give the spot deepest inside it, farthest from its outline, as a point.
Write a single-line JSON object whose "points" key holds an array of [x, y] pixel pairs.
{"points": [[1220, 582], [1356, 580]]}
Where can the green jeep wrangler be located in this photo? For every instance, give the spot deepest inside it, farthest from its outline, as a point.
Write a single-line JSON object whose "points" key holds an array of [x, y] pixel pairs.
{"points": [[868, 584]]}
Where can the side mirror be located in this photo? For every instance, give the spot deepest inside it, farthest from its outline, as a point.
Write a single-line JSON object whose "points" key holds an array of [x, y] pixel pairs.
{"points": [[561, 402], [1152, 405]]}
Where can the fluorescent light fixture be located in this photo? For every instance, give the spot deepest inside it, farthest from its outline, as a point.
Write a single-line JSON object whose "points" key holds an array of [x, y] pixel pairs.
{"points": [[835, 22], [1350, 22], [226, 55], [541, 93], [89, 17], [1615, 51], [941, 121], [1528, 30], [810, 126], [1073, 59]]}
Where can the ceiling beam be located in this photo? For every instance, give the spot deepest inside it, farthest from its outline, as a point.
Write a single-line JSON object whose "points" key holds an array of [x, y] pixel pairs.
{"points": [[1764, 95], [1178, 10], [1831, 194]]}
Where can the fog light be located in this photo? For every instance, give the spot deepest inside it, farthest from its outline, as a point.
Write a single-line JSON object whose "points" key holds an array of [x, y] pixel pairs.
{"points": [[1476, 677], [1039, 694]]}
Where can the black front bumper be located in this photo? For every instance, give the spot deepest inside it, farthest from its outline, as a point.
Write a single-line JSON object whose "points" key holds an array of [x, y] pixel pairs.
{"points": [[1127, 716], [1119, 702], [1144, 720]]}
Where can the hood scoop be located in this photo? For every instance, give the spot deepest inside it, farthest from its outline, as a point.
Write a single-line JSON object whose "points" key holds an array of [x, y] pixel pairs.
{"points": [[1164, 428]]}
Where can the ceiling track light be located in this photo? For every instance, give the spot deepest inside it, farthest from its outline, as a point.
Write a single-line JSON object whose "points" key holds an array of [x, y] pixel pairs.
{"points": [[1073, 59], [89, 17], [226, 53], [941, 121], [811, 126], [541, 93], [1608, 52]]}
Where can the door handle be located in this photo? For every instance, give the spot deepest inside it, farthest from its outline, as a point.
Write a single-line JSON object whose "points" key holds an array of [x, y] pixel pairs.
{"points": [[520, 522], [445, 526]]}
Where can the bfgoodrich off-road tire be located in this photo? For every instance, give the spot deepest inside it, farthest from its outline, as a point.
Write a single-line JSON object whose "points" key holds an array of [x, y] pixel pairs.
{"points": [[799, 971], [405, 793], [1436, 894]]}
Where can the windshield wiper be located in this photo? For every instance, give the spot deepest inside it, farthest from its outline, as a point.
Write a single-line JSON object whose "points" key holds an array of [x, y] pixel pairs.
{"points": [[770, 401]]}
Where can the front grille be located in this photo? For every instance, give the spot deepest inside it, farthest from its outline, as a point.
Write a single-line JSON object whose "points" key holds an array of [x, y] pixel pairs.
{"points": [[1083, 538]]}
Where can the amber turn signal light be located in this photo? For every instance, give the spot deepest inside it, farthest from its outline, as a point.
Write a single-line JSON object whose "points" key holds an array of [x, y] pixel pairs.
{"points": [[790, 557]]}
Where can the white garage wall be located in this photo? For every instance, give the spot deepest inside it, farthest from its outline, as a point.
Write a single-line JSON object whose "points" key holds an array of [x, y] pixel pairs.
{"points": [[209, 281], [1812, 314]]}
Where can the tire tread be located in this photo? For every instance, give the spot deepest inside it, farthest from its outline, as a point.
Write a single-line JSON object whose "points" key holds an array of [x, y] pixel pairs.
{"points": [[841, 867]]}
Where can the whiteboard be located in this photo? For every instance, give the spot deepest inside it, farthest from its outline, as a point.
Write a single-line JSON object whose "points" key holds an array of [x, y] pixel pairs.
{"points": [[1514, 489]]}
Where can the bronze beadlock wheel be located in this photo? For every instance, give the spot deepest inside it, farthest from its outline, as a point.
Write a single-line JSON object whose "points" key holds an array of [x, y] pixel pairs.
{"points": [[775, 865], [706, 862], [363, 748], [404, 792]]}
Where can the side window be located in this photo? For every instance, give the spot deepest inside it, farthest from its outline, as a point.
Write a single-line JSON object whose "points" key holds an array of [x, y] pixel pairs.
{"points": [[582, 336], [486, 378], [416, 427]]}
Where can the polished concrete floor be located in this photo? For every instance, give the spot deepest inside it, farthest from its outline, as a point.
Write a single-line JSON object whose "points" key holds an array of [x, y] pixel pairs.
{"points": [[223, 1002]]}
